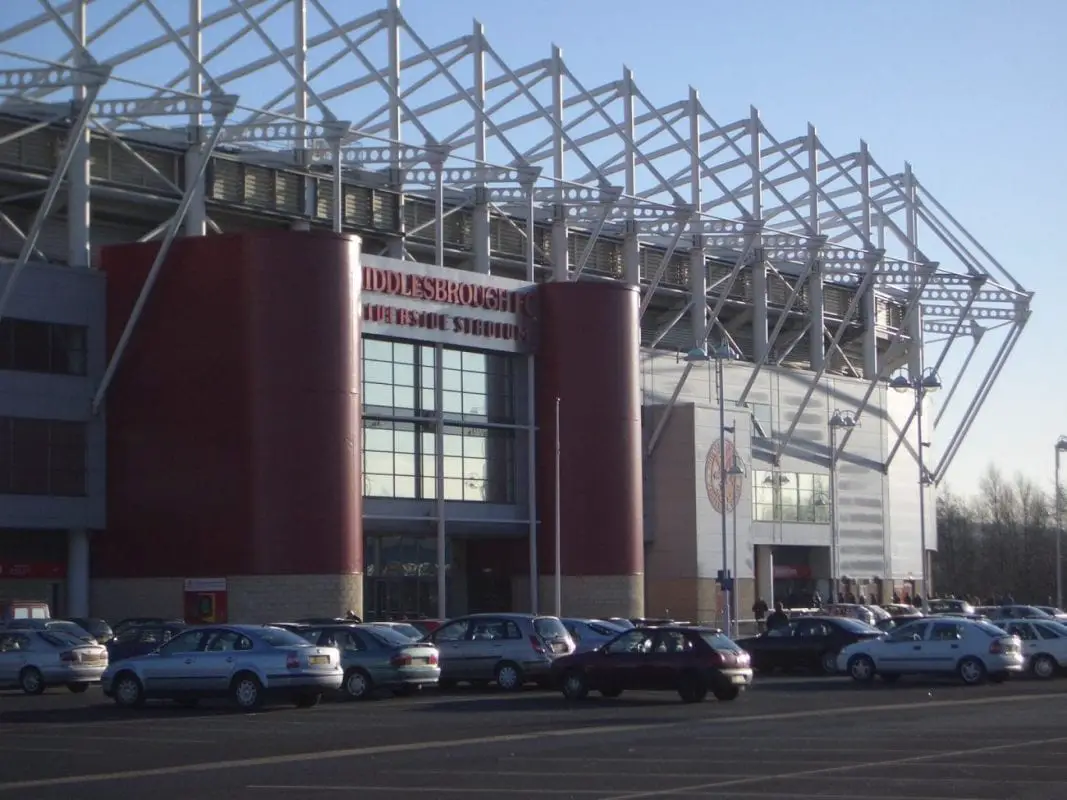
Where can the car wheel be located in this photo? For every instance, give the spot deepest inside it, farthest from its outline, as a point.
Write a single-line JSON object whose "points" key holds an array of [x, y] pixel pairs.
{"points": [[77, 688], [726, 693], [31, 681], [861, 668], [692, 689], [309, 700], [972, 671], [1043, 666], [128, 690], [611, 694], [828, 662], [509, 676], [358, 685], [575, 686], [247, 692]]}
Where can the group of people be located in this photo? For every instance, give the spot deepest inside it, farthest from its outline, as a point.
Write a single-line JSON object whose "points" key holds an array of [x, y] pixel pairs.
{"points": [[778, 617]]}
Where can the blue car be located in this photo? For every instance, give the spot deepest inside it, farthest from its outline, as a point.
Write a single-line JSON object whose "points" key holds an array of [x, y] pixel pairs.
{"points": [[139, 640]]}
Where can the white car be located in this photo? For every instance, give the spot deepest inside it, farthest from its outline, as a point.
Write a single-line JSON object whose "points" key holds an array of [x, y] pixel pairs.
{"points": [[1044, 643], [975, 650]]}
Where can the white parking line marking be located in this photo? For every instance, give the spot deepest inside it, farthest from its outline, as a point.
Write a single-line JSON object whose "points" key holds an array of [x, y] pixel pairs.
{"points": [[566, 733], [831, 771], [437, 790]]}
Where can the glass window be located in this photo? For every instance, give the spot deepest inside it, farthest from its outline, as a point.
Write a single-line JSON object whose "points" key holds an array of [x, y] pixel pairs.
{"points": [[188, 642], [279, 637], [790, 497], [1048, 632], [42, 457], [452, 632], [635, 641], [945, 632]]}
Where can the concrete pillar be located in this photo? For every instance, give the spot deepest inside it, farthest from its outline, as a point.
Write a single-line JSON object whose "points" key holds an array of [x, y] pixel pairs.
{"points": [[759, 311], [816, 314], [765, 573], [78, 573], [870, 334], [480, 230]]}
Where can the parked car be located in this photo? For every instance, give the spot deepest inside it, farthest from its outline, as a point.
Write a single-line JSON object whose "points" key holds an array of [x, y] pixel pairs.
{"points": [[130, 622], [1044, 644], [976, 651], [97, 628], [1016, 612], [1056, 613], [427, 626], [621, 622], [353, 620], [139, 640], [23, 609], [36, 659], [806, 643], [404, 628], [510, 649], [887, 625], [66, 626], [244, 662], [589, 634], [902, 610], [950, 606], [688, 660], [375, 656]]}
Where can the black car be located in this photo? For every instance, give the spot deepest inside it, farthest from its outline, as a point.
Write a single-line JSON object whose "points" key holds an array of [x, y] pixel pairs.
{"points": [[689, 660], [97, 628], [810, 643], [132, 622], [138, 640]]}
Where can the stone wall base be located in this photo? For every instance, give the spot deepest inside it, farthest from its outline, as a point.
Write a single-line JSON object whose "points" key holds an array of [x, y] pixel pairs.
{"points": [[593, 596], [249, 598]]}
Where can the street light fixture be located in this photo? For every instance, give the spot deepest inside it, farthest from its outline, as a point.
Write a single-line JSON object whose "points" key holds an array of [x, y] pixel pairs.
{"points": [[838, 420], [737, 470], [926, 381], [720, 354], [1061, 446]]}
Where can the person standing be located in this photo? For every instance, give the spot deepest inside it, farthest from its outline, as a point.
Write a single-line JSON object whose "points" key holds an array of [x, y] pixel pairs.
{"points": [[759, 611], [778, 619]]}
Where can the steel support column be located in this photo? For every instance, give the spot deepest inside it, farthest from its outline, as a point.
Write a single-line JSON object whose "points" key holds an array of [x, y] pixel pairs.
{"points": [[816, 320], [79, 211]]}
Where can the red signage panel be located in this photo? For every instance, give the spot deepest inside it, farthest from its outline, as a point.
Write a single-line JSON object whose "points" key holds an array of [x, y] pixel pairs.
{"points": [[33, 570]]}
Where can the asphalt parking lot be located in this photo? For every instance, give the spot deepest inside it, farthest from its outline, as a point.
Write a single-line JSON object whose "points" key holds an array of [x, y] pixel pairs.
{"points": [[792, 738]]}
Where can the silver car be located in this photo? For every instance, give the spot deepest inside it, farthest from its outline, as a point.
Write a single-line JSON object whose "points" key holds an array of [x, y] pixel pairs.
{"points": [[377, 656], [510, 649], [975, 650], [244, 662], [36, 659], [589, 634]]}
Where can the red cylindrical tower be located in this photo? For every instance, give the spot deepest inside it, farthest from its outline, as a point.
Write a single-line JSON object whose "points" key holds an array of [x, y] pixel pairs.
{"points": [[588, 356]]}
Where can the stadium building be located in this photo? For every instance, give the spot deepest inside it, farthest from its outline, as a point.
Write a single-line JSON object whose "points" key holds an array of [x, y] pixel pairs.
{"points": [[301, 313]]}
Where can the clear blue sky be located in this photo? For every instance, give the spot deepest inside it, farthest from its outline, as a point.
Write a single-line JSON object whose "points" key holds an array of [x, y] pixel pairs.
{"points": [[969, 91]]}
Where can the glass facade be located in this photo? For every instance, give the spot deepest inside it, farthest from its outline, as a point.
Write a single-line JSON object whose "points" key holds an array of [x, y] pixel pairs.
{"points": [[401, 576], [790, 497], [31, 346], [42, 457], [403, 385]]}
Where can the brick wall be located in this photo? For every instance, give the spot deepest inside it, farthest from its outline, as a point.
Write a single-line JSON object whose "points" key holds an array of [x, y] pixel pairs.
{"points": [[586, 595], [250, 599]]}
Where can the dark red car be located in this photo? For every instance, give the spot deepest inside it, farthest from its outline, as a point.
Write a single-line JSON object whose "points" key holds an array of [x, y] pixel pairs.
{"points": [[689, 660]]}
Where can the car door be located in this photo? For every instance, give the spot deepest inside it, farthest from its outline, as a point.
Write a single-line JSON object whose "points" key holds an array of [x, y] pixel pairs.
{"points": [[672, 653], [214, 666], [774, 649], [1051, 640], [810, 641], [450, 639], [12, 658], [625, 661], [902, 650], [1027, 635], [170, 670], [943, 648]]}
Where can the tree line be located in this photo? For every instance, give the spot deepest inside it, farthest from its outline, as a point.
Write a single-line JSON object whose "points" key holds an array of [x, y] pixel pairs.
{"points": [[999, 542]]}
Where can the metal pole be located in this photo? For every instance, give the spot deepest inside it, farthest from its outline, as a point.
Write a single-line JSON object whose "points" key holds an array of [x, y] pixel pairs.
{"points": [[833, 514], [925, 579], [439, 466], [531, 483], [559, 560], [1059, 534], [736, 612], [722, 489]]}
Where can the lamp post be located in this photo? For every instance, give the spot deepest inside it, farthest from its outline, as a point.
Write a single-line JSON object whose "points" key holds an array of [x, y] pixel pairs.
{"points": [[1061, 446], [838, 420], [926, 381], [720, 355], [737, 470]]}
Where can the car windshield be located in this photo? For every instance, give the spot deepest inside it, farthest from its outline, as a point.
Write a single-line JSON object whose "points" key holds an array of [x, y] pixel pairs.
{"points": [[410, 631], [855, 626], [989, 629], [277, 637], [60, 638], [388, 636], [720, 641], [605, 628], [549, 628], [68, 627]]}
